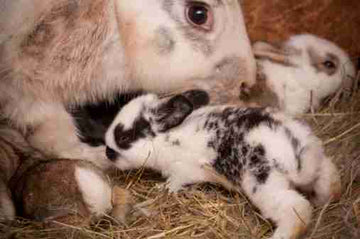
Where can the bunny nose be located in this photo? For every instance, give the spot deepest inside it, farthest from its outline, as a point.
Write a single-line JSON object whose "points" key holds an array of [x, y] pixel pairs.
{"points": [[111, 154]]}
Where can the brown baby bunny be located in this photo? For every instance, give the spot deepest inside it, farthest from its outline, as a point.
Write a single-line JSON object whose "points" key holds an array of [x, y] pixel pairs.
{"points": [[72, 192]]}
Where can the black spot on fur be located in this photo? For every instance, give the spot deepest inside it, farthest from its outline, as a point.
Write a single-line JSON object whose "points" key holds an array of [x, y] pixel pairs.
{"points": [[244, 118], [229, 160], [164, 41], [176, 142], [173, 112], [198, 98], [93, 119], [140, 129], [278, 167], [244, 150], [295, 143], [111, 154], [258, 164], [234, 155]]}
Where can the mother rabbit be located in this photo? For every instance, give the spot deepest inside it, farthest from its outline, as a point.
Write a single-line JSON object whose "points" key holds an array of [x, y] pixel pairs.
{"points": [[57, 54]]}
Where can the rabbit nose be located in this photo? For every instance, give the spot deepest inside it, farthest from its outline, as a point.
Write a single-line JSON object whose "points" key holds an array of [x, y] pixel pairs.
{"points": [[111, 154]]}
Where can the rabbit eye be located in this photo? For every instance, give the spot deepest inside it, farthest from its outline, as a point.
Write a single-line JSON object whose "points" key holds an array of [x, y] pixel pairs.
{"points": [[123, 139], [199, 15], [329, 64]]}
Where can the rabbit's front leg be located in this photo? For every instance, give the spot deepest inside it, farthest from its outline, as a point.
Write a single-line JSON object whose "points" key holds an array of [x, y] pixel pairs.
{"points": [[174, 184], [184, 175]]}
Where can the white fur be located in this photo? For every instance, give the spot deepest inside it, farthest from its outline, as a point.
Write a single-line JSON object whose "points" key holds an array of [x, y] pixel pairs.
{"points": [[115, 50], [186, 162], [300, 87], [96, 192]]}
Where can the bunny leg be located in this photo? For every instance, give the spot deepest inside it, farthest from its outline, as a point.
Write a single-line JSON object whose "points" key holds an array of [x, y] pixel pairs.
{"points": [[121, 201], [328, 184], [185, 174], [275, 198], [318, 175]]}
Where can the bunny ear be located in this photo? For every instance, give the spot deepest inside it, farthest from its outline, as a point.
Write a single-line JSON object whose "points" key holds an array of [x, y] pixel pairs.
{"points": [[198, 98], [173, 112], [272, 52]]}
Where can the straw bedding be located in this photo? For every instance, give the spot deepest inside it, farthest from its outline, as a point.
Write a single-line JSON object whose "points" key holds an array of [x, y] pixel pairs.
{"points": [[209, 211]]}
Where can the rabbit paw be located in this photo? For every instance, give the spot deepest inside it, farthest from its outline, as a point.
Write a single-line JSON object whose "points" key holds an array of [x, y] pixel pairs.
{"points": [[122, 203], [174, 185]]}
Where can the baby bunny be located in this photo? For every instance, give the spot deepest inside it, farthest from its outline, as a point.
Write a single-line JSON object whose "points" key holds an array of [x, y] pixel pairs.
{"points": [[297, 74], [265, 154], [74, 192], [13, 150]]}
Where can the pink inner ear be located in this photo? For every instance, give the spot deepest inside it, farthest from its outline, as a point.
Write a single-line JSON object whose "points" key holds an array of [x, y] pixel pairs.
{"points": [[273, 52], [277, 57]]}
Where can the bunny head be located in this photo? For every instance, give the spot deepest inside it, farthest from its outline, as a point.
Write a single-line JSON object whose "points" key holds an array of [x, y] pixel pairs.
{"points": [[297, 74], [172, 44], [130, 137], [332, 64], [74, 52]]}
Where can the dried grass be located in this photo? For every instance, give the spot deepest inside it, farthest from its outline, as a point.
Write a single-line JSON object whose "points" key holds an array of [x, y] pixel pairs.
{"points": [[208, 211]]}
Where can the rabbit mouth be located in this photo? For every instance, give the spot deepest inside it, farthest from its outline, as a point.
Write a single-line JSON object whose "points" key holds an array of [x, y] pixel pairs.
{"points": [[230, 67]]}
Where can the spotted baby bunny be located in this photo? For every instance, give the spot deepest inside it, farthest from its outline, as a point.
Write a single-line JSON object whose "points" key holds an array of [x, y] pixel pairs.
{"points": [[296, 75], [265, 154]]}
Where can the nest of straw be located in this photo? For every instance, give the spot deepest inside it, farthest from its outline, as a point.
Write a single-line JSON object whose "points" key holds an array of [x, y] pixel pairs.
{"points": [[209, 211]]}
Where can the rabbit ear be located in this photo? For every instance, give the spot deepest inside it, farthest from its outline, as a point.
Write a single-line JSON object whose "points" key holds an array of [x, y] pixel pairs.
{"points": [[173, 112], [273, 52], [198, 98]]}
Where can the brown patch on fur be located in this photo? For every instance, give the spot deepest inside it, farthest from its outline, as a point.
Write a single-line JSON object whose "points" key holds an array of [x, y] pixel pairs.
{"points": [[49, 191], [128, 34], [224, 86], [318, 62], [94, 10], [36, 41], [259, 94], [14, 150], [66, 42], [9, 161], [224, 91], [43, 34]]}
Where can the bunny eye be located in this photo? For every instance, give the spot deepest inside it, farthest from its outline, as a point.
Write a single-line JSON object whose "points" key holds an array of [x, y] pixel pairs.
{"points": [[329, 64], [123, 139], [199, 15]]}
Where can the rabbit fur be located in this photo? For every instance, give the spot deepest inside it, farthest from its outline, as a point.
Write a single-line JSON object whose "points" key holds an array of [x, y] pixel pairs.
{"points": [[296, 75], [59, 53], [70, 191], [74, 192], [266, 154]]}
